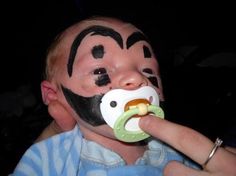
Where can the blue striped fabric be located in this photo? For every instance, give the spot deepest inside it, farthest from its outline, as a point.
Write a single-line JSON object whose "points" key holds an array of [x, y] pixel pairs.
{"points": [[69, 154]]}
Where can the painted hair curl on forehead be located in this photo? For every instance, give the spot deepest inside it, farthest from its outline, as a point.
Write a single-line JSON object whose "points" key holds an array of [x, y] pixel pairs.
{"points": [[57, 50]]}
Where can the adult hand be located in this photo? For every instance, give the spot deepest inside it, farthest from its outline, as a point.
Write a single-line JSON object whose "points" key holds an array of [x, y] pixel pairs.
{"points": [[194, 145]]}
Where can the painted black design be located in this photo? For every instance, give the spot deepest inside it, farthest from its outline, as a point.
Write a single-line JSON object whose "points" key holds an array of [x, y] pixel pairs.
{"points": [[148, 70], [134, 38], [103, 80], [98, 51], [100, 71], [88, 108], [95, 30], [154, 81], [146, 51]]}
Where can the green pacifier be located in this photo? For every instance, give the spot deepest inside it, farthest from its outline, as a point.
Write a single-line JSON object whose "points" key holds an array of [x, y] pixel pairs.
{"points": [[140, 110]]}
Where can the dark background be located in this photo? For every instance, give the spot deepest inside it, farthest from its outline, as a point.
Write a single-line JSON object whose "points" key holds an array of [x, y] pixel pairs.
{"points": [[195, 45]]}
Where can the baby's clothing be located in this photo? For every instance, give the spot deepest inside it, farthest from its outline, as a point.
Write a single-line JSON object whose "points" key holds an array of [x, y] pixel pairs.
{"points": [[69, 154]]}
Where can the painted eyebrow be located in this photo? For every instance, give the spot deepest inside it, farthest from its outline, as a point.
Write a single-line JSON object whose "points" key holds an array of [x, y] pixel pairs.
{"points": [[134, 38], [95, 30]]}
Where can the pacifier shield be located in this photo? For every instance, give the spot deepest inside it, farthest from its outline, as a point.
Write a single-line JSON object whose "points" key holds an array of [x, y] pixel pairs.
{"points": [[126, 121], [133, 136]]}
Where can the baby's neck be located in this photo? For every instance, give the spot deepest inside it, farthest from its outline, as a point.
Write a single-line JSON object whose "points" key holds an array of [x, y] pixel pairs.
{"points": [[130, 152]]}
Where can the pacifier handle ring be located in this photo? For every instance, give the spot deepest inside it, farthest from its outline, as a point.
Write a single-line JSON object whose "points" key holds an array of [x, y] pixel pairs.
{"points": [[133, 136]]}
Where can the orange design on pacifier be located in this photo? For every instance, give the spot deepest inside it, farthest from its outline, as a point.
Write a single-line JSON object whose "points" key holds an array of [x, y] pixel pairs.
{"points": [[140, 109], [138, 103], [130, 106]]}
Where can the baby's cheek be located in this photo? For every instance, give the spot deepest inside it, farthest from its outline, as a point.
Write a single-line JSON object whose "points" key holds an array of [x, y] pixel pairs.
{"points": [[94, 89]]}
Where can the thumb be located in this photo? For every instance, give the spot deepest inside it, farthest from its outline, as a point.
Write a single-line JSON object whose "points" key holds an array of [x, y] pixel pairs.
{"points": [[174, 168]]}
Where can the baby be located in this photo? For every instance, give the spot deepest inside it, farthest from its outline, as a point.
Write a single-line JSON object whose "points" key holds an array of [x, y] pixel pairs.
{"points": [[105, 74]]}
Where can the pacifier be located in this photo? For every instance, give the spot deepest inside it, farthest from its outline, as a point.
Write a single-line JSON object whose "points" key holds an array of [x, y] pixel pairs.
{"points": [[122, 110]]}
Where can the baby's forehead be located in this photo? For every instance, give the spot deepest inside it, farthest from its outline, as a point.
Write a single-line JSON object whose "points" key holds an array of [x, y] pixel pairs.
{"points": [[123, 28], [123, 34], [106, 21]]}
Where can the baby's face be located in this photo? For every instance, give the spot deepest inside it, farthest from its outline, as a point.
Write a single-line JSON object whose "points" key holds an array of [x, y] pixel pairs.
{"points": [[104, 56]]}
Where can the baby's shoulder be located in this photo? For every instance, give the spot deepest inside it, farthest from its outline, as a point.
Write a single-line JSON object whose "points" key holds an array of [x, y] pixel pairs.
{"points": [[60, 143], [50, 156]]}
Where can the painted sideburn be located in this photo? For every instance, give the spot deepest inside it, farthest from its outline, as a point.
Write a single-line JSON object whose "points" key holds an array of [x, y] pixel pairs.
{"points": [[88, 108]]}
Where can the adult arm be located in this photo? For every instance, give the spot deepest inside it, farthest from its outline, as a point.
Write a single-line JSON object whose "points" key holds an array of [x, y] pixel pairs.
{"points": [[194, 145]]}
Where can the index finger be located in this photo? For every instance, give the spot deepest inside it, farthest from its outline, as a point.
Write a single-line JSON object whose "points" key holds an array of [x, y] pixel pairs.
{"points": [[186, 140]]}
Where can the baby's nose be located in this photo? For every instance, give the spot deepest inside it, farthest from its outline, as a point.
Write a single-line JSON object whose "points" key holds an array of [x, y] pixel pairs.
{"points": [[132, 80]]}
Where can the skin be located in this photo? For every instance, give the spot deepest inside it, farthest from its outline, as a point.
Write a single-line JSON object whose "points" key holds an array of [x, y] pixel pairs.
{"points": [[180, 137], [85, 51], [185, 140]]}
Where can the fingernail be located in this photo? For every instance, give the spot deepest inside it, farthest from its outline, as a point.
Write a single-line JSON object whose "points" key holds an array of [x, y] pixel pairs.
{"points": [[144, 122]]}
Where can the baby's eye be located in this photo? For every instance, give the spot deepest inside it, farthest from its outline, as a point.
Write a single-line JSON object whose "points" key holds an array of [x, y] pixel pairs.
{"points": [[99, 71], [148, 70]]}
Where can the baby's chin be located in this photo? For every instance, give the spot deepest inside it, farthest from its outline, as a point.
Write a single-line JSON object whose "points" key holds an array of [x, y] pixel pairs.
{"points": [[104, 130]]}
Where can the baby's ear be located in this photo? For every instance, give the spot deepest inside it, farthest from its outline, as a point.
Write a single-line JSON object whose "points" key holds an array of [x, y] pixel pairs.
{"points": [[48, 91]]}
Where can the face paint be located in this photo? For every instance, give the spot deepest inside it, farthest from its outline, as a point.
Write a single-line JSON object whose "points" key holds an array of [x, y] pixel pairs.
{"points": [[103, 80], [98, 51], [94, 30], [88, 108], [148, 72], [146, 52], [153, 80], [134, 38]]}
